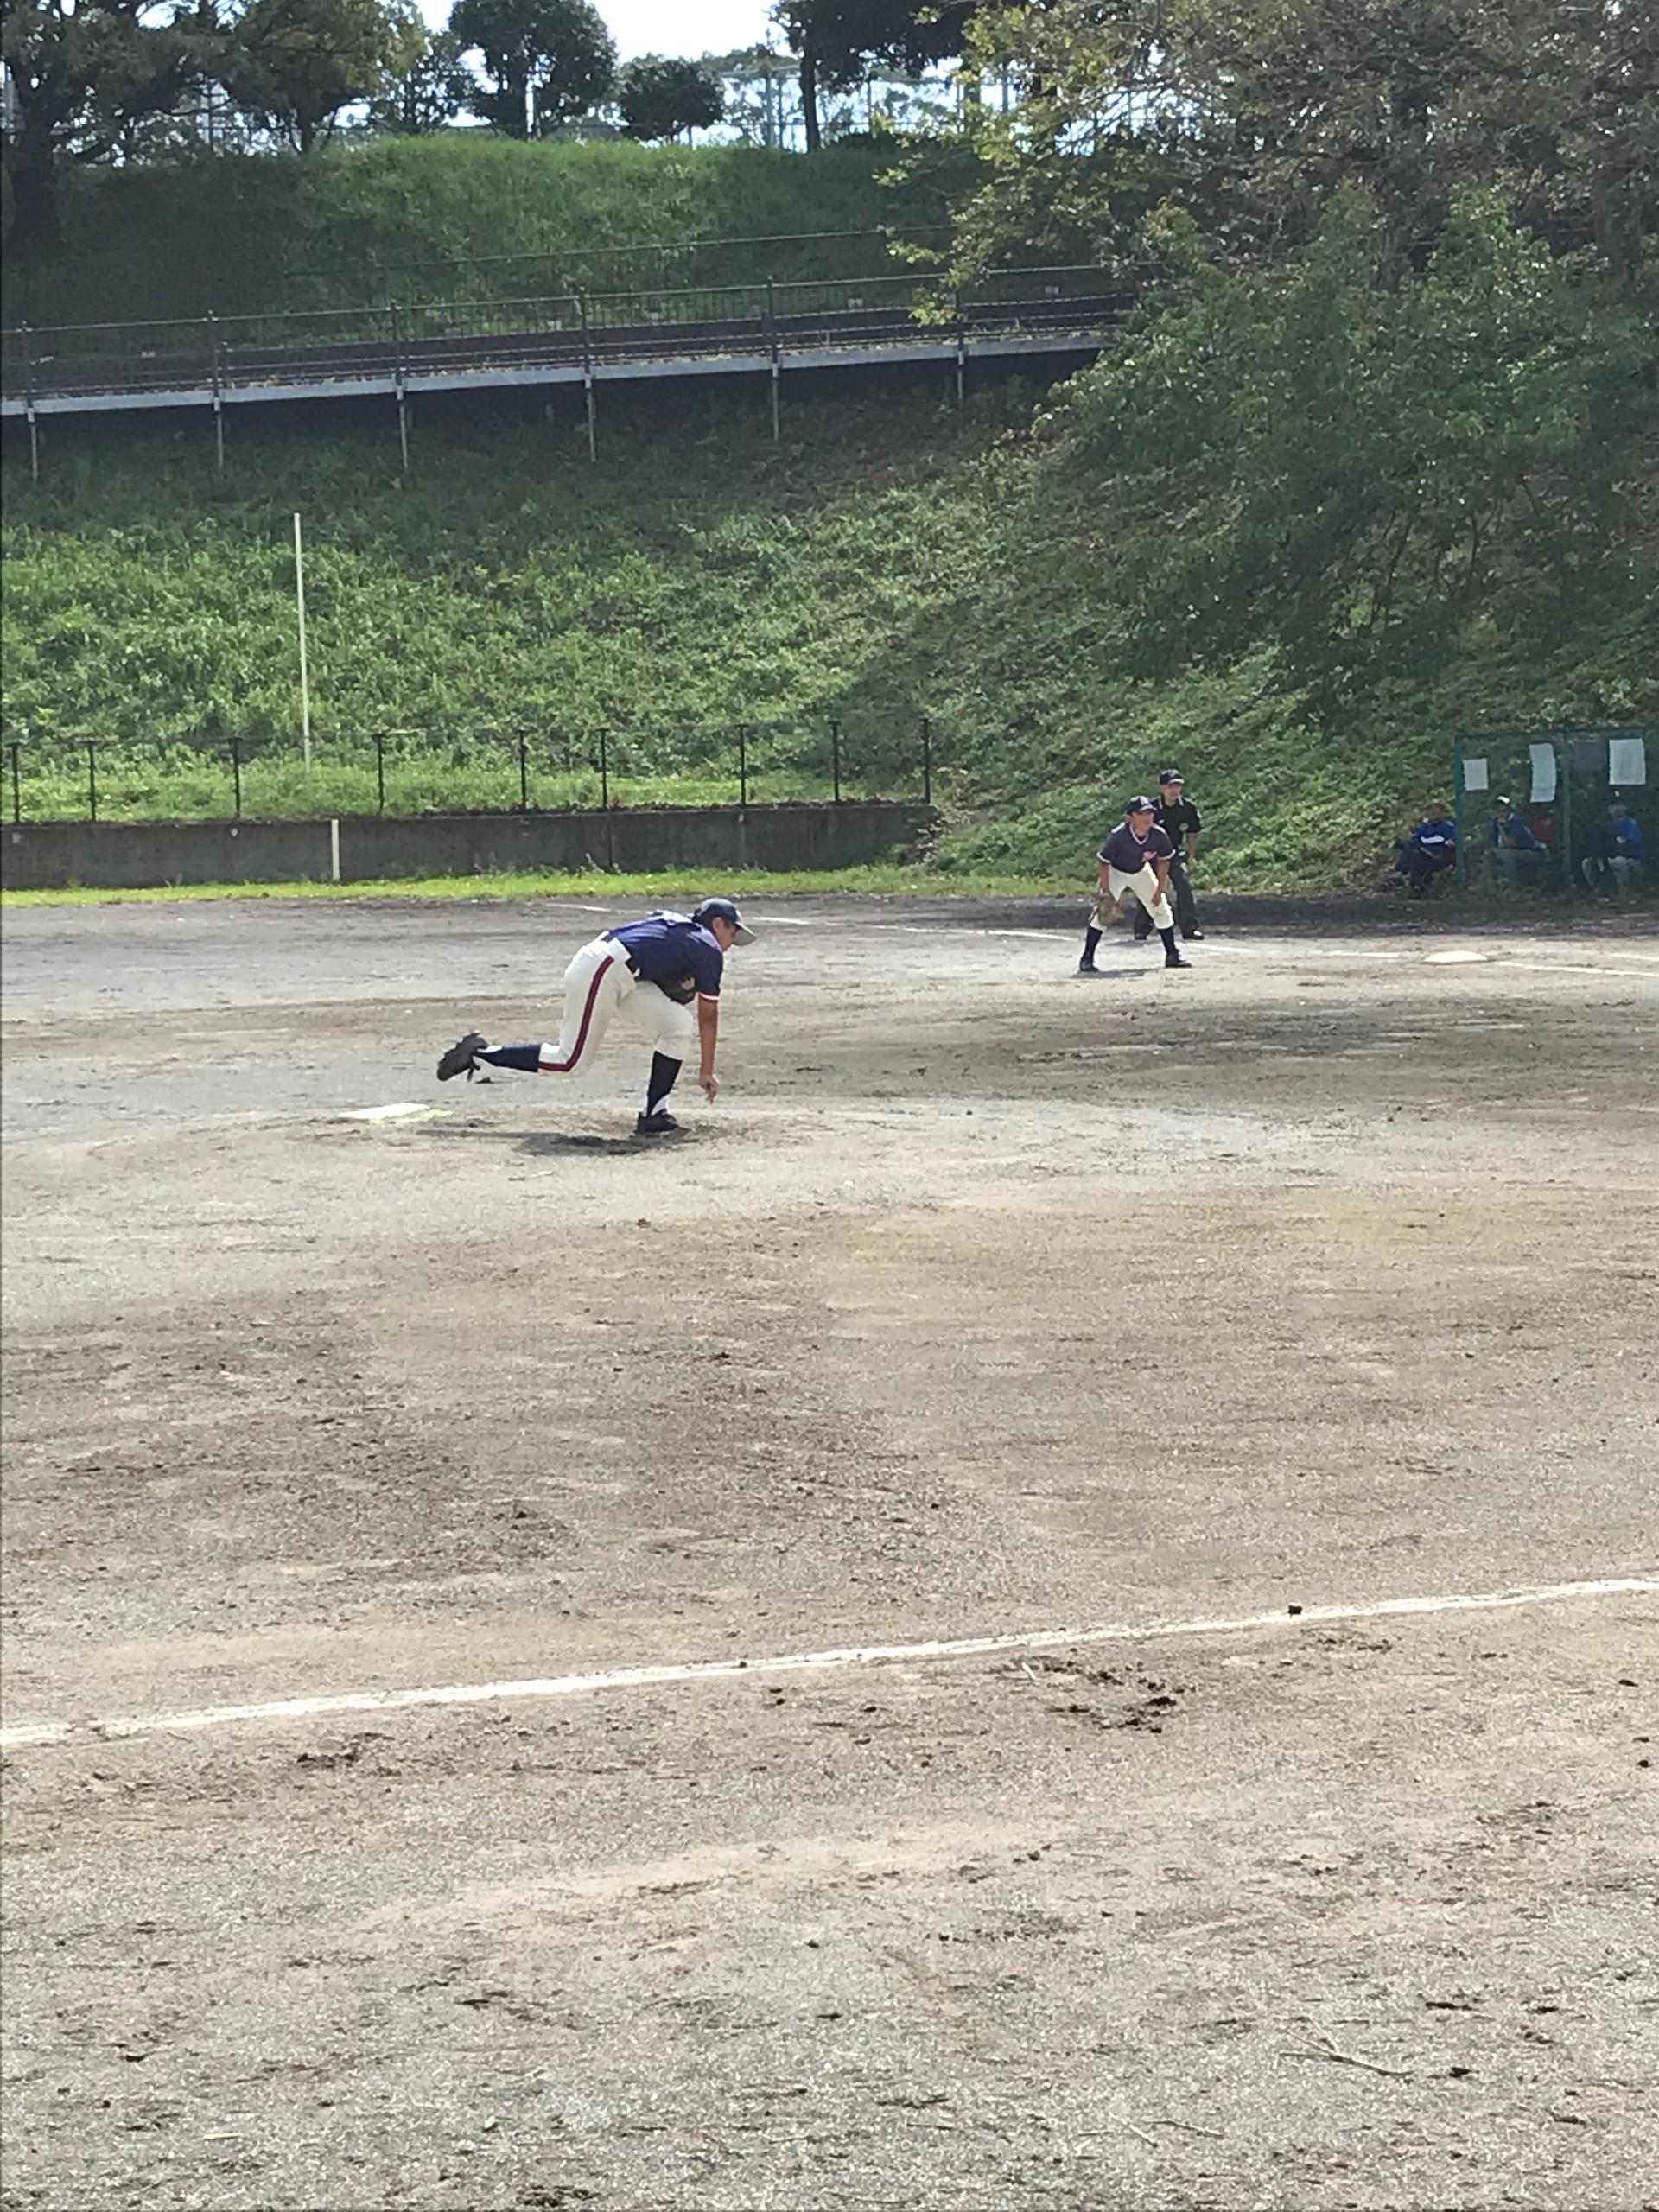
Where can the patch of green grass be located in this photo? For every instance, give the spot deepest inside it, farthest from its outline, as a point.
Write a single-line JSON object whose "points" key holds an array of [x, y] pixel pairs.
{"points": [[864, 882], [463, 216], [702, 579]]}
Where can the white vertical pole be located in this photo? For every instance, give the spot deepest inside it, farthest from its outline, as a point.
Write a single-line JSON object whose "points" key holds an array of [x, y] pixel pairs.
{"points": [[333, 849], [305, 676]]}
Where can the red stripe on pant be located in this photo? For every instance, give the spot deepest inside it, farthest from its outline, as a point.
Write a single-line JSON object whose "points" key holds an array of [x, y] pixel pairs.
{"points": [[563, 1067]]}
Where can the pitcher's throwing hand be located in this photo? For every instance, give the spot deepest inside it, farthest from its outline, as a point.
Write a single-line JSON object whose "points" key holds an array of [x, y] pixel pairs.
{"points": [[657, 968]]}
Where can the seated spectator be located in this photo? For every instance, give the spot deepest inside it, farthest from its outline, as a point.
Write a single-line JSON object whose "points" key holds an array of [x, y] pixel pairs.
{"points": [[1541, 822], [1616, 857], [1514, 854], [1430, 850]]}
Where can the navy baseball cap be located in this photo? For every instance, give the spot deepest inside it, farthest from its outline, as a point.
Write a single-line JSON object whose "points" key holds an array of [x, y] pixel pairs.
{"points": [[722, 910], [1141, 805], [1171, 776]]}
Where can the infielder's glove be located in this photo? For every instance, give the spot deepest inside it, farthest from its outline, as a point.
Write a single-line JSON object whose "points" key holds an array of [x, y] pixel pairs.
{"points": [[1104, 912]]}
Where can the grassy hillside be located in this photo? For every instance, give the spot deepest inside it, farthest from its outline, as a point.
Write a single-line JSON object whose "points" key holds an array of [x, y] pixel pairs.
{"points": [[1300, 524], [697, 578], [462, 216]]}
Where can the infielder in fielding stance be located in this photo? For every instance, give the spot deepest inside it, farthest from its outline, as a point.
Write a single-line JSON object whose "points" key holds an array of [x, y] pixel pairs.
{"points": [[655, 968], [1135, 862]]}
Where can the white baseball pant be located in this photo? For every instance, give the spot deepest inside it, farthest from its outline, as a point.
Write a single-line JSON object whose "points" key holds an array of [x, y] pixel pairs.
{"points": [[1144, 884], [598, 982]]}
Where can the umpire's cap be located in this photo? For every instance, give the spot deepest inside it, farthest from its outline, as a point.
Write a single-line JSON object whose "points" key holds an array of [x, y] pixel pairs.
{"points": [[722, 910]]}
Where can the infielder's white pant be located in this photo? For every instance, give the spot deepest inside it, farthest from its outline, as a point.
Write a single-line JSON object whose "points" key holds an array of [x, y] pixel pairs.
{"points": [[598, 982], [1144, 884]]}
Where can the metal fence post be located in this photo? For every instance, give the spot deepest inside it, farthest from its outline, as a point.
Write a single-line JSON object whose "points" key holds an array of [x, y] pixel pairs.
{"points": [[236, 776], [604, 774], [380, 770], [33, 426], [524, 774], [742, 764], [588, 375], [834, 761], [961, 346], [1457, 814], [218, 396], [91, 782], [927, 761], [398, 378], [16, 783], [772, 332]]}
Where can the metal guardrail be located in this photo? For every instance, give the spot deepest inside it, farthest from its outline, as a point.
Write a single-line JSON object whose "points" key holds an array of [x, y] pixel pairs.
{"points": [[575, 330]]}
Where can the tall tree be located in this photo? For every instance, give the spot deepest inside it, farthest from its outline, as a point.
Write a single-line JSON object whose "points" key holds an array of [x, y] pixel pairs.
{"points": [[428, 94], [837, 42], [1346, 459], [293, 65], [84, 74], [1251, 118], [546, 62], [659, 97]]}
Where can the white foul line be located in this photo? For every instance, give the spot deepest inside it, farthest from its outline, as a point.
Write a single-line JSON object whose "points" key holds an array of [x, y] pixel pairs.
{"points": [[873, 1654]]}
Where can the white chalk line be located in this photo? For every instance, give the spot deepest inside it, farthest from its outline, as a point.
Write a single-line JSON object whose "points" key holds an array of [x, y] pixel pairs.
{"points": [[1637, 963], [403, 1109], [873, 1654], [1293, 949]]}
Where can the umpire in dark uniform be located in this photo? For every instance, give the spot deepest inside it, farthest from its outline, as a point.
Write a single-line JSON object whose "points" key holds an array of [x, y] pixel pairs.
{"points": [[1180, 821]]}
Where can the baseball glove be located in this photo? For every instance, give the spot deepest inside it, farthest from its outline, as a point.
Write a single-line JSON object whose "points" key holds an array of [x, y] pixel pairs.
{"points": [[681, 989]]}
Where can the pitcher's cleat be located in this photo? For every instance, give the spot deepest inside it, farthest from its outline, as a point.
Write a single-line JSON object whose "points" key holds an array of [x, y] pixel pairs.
{"points": [[461, 1058], [1174, 960], [662, 1124], [1088, 968]]}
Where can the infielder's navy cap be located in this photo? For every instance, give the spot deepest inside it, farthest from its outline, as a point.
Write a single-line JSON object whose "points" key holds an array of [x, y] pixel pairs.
{"points": [[1171, 776], [1141, 805], [722, 910]]}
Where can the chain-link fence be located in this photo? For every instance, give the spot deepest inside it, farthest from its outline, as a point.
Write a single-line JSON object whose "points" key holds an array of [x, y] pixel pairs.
{"points": [[282, 777], [1541, 810]]}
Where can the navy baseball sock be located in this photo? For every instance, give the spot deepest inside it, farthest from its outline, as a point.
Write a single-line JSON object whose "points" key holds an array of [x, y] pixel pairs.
{"points": [[526, 1057], [1091, 946], [665, 1074], [1168, 936]]}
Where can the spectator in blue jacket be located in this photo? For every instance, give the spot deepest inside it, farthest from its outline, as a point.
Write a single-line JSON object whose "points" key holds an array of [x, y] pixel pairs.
{"points": [[1617, 859], [1430, 850], [1513, 852]]}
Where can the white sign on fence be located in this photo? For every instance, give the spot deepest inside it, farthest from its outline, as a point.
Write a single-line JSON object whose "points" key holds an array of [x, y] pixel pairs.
{"points": [[1627, 760]]}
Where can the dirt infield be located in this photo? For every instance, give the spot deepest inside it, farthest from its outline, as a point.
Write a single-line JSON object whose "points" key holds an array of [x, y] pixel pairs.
{"points": [[987, 1303]]}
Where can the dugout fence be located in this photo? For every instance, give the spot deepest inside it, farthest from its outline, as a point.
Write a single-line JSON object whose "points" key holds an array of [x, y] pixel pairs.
{"points": [[1562, 779]]}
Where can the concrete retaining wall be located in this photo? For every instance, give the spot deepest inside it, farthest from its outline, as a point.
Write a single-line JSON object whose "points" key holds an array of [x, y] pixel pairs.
{"points": [[132, 855]]}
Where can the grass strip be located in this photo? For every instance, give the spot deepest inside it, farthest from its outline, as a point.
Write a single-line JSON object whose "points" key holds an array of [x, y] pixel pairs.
{"points": [[899, 882]]}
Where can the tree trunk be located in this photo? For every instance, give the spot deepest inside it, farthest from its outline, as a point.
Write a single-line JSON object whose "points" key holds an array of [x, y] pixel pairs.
{"points": [[810, 91], [519, 115], [35, 228]]}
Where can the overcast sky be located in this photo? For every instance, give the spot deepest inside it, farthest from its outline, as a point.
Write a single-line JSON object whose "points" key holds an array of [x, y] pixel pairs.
{"points": [[663, 26]]}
